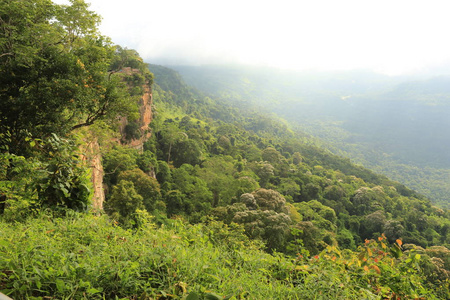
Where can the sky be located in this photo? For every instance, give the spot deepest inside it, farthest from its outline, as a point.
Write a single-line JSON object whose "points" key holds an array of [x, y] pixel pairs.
{"points": [[388, 36]]}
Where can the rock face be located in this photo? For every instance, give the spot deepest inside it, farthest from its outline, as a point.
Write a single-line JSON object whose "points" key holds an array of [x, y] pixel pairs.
{"points": [[93, 159], [97, 180], [91, 151], [146, 116], [145, 110]]}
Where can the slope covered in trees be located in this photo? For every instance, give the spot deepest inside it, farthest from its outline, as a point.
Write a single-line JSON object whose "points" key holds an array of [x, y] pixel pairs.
{"points": [[269, 155], [393, 125], [221, 201]]}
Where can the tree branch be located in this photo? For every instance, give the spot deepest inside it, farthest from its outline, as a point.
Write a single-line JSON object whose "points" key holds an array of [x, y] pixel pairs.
{"points": [[4, 54], [91, 119]]}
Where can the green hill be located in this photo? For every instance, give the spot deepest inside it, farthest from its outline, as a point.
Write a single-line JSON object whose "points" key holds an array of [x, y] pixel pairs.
{"points": [[393, 125], [128, 183]]}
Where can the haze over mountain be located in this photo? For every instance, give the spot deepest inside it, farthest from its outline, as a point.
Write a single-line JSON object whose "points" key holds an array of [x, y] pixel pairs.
{"points": [[392, 37], [355, 109], [121, 180], [397, 126]]}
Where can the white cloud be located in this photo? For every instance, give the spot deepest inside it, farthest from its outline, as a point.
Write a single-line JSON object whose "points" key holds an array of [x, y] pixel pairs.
{"points": [[389, 36]]}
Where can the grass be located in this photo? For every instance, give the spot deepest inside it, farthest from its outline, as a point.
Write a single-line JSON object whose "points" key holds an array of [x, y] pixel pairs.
{"points": [[83, 256]]}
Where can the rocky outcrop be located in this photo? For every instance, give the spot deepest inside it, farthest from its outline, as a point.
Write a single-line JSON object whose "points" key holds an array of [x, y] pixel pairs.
{"points": [[146, 109], [91, 151], [93, 159], [146, 116]]}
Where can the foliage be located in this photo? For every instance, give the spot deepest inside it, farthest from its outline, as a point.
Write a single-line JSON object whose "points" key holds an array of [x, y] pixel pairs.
{"points": [[189, 194], [17, 181], [53, 178], [124, 202], [263, 214], [86, 256], [202, 165], [145, 185], [117, 160], [341, 197], [65, 183], [54, 73], [392, 125], [377, 268]]}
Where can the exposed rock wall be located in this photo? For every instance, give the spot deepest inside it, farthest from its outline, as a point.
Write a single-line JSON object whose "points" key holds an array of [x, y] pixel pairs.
{"points": [[146, 116], [93, 159], [92, 155]]}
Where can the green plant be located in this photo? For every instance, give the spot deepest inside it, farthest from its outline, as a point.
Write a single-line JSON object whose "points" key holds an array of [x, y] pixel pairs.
{"points": [[65, 183]]}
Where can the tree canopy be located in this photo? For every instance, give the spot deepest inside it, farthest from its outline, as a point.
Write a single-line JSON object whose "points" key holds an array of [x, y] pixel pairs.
{"points": [[55, 71]]}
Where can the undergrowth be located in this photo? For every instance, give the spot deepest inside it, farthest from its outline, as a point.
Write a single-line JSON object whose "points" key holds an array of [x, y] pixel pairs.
{"points": [[84, 256]]}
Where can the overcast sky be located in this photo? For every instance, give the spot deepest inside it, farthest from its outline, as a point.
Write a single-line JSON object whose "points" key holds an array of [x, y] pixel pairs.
{"points": [[389, 36]]}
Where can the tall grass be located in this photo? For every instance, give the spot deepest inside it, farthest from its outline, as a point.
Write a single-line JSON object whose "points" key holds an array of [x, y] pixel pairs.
{"points": [[84, 256]]}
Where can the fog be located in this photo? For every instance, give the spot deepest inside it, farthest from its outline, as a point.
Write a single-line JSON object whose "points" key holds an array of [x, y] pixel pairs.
{"points": [[391, 37]]}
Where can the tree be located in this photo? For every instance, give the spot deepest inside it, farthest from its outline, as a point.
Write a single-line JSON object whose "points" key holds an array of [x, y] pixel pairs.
{"points": [[65, 184], [170, 135], [124, 201], [147, 162], [393, 230], [118, 160], [320, 215], [130, 58], [175, 202], [244, 184], [373, 224], [197, 196], [289, 188], [367, 200], [163, 174], [54, 70], [268, 225], [264, 170], [186, 151], [334, 192], [297, 158], [52, 179], [311, 236], [272, 156], [144, 185], [264, 215], [270, 200], [311, 191], [218, 173]]}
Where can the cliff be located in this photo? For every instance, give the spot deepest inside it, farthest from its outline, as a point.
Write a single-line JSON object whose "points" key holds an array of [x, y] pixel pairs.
{"points": [[146, 116], [92, 155], [93, 159]]}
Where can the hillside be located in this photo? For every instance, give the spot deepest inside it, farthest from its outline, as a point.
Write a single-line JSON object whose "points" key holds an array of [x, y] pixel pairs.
{"points": [[393, 125], [260, 182], [120, 181]]}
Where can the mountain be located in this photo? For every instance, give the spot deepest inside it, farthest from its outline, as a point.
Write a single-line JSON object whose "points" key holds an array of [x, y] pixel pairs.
{"points": [[272, 142], [120, 183], [232, 188], [394, 125]]}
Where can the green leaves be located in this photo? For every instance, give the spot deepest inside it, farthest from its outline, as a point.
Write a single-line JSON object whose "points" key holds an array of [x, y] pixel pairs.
{"points": [[54, 73], [88, 256], [60, 285], [66, 183], [193, 296]]}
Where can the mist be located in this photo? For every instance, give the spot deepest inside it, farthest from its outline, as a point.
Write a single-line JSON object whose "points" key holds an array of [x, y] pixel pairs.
{"points": [[400, 37]]}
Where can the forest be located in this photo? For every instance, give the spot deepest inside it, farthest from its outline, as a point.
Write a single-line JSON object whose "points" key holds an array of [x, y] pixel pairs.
{"points": [[118, 180], [394, 125]]}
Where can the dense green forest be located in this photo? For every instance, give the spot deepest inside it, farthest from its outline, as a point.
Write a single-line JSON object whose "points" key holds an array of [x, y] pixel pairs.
{"points": [[214, 200], [393, 125]]}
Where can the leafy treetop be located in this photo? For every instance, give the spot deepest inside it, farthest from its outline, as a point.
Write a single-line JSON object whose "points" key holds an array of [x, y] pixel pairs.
{"points": [[54, 73]]}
